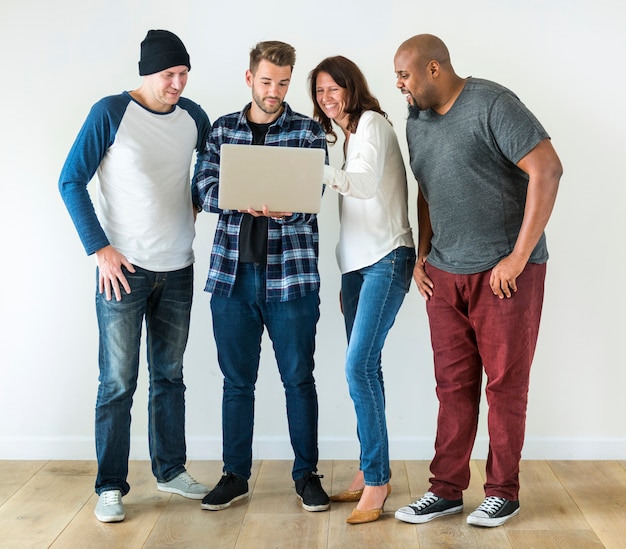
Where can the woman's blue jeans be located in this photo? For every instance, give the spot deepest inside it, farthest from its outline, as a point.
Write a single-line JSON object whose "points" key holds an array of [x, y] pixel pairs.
{"points": [[164, 300], [371, 298], [238, 324]]}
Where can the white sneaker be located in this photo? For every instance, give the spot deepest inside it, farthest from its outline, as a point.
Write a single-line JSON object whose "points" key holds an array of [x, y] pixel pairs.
{"points": [[184, 485], [109, 507]]}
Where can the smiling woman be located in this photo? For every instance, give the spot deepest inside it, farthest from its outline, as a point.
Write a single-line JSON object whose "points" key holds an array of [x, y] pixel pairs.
{"points": [[376, 255], [331, 99]]}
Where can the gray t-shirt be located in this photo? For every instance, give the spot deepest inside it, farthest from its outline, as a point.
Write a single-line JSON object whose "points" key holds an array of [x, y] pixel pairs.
{"points": [[465, 165]]}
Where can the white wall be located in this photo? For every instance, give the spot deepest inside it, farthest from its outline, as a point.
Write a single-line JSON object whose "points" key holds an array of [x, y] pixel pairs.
{"points": [[562, 57]]}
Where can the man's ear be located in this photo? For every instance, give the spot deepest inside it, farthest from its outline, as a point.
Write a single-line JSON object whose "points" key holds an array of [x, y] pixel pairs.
{"points": [[249, 78]]}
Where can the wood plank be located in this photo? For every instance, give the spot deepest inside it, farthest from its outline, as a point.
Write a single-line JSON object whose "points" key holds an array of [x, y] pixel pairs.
{"points": [[274, 490], [14, 474], [270, 530], [453, 531], [50, 504], [386, 532], [184, 524], [546, 539], [544, 502], [342, 473], [599, 490], [275, 515], [143, 506], [39, 511]]}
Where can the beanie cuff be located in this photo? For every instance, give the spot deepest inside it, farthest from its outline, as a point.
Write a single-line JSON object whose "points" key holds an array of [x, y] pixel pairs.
{"points": [[162, 61]]}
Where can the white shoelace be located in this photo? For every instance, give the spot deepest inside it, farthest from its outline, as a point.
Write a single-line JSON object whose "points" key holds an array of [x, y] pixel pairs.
{"points": [[427, 499], [187, 478], [491, 505], [111, 497]]}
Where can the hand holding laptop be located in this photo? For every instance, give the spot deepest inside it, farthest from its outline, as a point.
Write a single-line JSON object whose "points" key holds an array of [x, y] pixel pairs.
{"points": [[270, 181], [265, 212]]}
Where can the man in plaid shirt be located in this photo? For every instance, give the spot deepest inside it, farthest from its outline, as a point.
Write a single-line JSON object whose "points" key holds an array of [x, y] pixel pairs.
{"points": [[263, 273]]}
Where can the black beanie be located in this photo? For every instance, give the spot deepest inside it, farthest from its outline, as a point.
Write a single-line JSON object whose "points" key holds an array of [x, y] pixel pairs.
{"points": [[161, 50]]}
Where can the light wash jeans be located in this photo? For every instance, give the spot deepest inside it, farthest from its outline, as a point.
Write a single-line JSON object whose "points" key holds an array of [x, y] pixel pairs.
{"points": [[371, 298], [238, 324], [164, 300]]}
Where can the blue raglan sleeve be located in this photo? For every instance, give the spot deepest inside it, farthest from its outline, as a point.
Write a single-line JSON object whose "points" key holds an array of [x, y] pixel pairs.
{"points": [[94, 139], [205, 183], [203, 126]]}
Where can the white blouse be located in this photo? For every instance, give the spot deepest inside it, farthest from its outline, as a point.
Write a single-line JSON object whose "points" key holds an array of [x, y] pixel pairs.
{"points": [[373, 208]]}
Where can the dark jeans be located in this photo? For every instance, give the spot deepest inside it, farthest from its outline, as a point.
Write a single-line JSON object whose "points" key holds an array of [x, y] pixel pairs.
{"points": [[238, 324], [164, 300]]}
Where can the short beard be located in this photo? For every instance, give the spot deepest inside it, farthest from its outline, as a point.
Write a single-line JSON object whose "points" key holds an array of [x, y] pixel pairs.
{"points": [[414, 111], [262, 106]]}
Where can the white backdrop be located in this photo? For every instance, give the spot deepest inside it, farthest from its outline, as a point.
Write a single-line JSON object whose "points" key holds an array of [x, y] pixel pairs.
{"points": [[562, 57]]}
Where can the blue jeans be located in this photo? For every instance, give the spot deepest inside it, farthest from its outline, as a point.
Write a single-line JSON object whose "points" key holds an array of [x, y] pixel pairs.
{"points": [[238, 324], [164, 300], [371, 298]]}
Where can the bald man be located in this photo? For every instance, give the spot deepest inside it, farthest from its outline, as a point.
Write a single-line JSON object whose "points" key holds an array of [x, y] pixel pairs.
{"points": [[488, 178]]}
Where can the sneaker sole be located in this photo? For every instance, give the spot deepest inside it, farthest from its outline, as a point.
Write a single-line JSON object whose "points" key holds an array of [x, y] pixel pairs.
{"points": [[110, 518], [421, 519], [188, 495], [220, 506], [490, 522], [314, 508]]}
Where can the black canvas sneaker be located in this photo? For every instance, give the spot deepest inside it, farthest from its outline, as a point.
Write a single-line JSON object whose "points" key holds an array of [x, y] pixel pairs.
{"points": [[429, 507], [227, 491], [493, 511], [310, 490]]}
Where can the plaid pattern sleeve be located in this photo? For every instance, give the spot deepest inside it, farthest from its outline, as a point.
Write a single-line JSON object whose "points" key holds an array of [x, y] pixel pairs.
{"points": [[293, 244]]}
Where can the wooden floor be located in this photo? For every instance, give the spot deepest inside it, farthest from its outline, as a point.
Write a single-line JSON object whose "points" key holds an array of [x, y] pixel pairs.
{"points": [[564, 504]]}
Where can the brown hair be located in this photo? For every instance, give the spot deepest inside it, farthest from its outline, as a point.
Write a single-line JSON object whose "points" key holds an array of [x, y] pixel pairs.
{"points": [[358, 96], [277, 53]]}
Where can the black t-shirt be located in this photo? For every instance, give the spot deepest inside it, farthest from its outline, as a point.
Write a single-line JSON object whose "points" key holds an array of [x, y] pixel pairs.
{"points": [[253, 231]]}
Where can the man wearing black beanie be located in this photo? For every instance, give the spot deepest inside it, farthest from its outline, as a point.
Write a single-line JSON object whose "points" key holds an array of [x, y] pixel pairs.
{"points": [[160, 50], [140, 144]]}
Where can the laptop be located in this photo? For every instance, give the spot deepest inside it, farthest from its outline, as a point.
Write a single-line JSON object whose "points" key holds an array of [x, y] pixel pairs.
{"points": [[285, 179]]}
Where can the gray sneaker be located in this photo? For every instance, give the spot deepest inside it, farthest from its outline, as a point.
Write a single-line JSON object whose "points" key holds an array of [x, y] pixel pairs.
{"points": [[110, 508], [184, 485]]}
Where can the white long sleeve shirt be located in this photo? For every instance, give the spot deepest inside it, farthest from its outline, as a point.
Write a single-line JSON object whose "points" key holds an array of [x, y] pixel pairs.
{"points": [[373, 208]]}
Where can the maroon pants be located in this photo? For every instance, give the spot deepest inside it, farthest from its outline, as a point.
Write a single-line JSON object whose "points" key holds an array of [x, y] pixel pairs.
{"points": [[471, 330]]}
